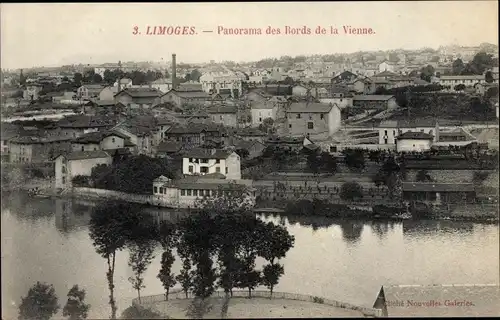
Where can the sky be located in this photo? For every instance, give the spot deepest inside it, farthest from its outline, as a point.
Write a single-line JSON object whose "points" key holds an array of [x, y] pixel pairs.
{"points": [[54, 34]]}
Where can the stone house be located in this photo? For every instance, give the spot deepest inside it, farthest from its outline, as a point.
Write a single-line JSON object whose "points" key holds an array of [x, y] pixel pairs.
{"points": [[200, 161], [68, 166], [305, 118]]}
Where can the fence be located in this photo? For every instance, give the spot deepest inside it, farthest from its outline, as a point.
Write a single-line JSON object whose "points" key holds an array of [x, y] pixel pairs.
{"points": [[149, 301]]}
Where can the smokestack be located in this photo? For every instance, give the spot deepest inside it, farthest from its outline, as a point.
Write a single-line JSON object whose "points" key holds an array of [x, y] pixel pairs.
{"points": [[436, 135], [119, 85], [174, 72]]}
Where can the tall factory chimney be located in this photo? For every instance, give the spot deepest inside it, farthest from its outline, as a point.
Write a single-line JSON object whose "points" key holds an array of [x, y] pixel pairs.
{"points": [[174, 72]]}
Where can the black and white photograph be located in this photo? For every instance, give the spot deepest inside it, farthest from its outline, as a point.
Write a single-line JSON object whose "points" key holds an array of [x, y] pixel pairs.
{"points": [[236, 160]]}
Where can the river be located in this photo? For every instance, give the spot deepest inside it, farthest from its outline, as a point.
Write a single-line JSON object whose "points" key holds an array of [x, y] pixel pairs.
{"points": [[47, 240]]}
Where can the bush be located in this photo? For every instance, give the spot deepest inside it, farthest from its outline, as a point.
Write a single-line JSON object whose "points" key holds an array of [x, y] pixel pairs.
{"points": [[81, 181], [351, 191], [480, 176], [318, 300], [139, 312]]}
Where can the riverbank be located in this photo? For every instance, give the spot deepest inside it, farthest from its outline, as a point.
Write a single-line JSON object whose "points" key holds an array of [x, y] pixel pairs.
{"points": [[478, 213]]}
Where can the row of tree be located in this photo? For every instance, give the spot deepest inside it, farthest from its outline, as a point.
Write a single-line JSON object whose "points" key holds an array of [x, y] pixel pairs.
{"points": [[218, 246], [481, 62]]}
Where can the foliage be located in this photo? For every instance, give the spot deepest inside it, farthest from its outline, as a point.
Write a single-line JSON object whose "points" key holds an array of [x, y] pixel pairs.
{"points": [[76, 308], [243, 153], [488, 77], [40, 303], [423, 176], [492, 92], [198, 308], [459, 87], [139, 312], [141, 256], [354, 159], [81, 181], [351, 191], [271, 274], [133, 175], [318, 300], [480, 176], [111, 227], [479, 64], [166, 277], [427, 72], [458, 67]]}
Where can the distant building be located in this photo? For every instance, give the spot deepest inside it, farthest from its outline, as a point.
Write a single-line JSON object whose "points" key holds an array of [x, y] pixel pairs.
{"points": [[414, 141], [89, 91], [467, 80], [262, 110], [32, 91], [102, 140], [68, 166], [387, 66], [213, 82], [305, 118], [141, 97], [381, 102], [180, 98], [31, 149], [225, 115], [206, 161], [164, 85]]}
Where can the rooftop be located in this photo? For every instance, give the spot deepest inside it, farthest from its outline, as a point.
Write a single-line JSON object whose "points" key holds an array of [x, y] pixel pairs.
{"points": [[202, 153], [373, 97], [84, 121], [81, 155], [189, 94], [141, 92], [223, 109], [208, 183], [311, 107], [170, 146], [415, 135], [97, 137], [38, 140]]}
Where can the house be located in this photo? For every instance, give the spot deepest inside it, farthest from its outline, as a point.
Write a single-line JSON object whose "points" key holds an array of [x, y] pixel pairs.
{"points": [[195, 134], [32, 91], [190, 86], [456, 137], [414, 141], [169, 149], [360, 85], [123, 83], [253, 147], [8, 132], [180, 98], [341, 100], [141, 97], [68, 166], [102, 140], [108, 93], [300, 91], [344, 77], [75, 126], [467, 80], [89, 91], [188, 192], [436, 301], [257, 96], [214, 82], [285, 143], [200, 161], [225, 115], [31, 149], [304, 118], [164, 85], [249, 134], [378, 102], [387, 66], [140, 133], [262, 110]]}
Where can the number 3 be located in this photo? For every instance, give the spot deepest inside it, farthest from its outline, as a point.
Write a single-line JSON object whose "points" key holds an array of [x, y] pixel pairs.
{"points": [[136, 30]]}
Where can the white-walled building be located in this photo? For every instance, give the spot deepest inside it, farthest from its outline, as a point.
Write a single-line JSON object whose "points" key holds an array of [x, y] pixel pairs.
{"points": [[261, 111], [215, 82], [188, 192], [201, 161], [78, 163], [414, 141]]}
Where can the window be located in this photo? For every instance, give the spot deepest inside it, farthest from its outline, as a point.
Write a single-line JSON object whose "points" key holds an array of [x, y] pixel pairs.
{"points": [[189, 192], [310, 117], [183, 192], [191, 169], [204, 169], [217, 161], [155, 190], [227, 170], [113, 140], [204, 161], [385, 132], [333, 149], [195, 193], [260, 119], [95, 148], [393, 132], [161, 189], [310, 125], [63, 180], [217, 169], [385, 141], [290, 126], [421, 130], [83, 148], [322, 116], [298, 115]]}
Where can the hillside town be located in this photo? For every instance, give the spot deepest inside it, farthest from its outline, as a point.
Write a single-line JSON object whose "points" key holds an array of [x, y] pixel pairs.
{"points": [[276, 125]]}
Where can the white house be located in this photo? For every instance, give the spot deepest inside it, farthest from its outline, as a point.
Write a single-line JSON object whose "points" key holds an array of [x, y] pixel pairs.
{"points": [[414, 141], [163, 85], [77, 163], [102, 140], [223, 82], [188, 192], [199, 161], [342, 100], [386, 66]]}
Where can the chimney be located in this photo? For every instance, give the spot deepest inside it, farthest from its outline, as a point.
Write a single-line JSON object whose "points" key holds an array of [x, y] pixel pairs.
{"points": [[119, 85], [174, 72], [436, 135]]}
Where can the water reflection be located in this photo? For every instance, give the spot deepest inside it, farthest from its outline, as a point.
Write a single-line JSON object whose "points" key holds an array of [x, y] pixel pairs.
{"points": [[48, 240]]}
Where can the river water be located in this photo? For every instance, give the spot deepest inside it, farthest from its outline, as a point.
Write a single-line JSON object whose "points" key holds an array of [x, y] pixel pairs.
{"points": [[47, 240]]}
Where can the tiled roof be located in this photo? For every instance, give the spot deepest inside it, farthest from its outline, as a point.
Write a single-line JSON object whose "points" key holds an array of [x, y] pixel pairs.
{"points": [[201, 153], [437, 187], [373, 97], [190, 94], [141, 92], [169, 146], [415, 135], [434, 300], [253, 132], [96, 137], [84, 121], [80, 155], [194, 128], [102, 103], [312, 107], [256, 105], [38, 140]]}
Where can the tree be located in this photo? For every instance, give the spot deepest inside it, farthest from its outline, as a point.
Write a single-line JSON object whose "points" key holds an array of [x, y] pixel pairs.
{"points": [[96, 78], [491, 92], [489, 77], [139, 312], [141, 255], [109, 77], [76, 308], [40, 303], [423, 176], [288, 81], [271, 274], [354, 158], [109, 229], [426, 73], [328, 162], [78, 78], [351, 191], [313, 162], [243, 153], [195, 75], [480, 63], [166, 277], [458, 67], [459, 87]]}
